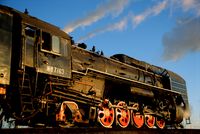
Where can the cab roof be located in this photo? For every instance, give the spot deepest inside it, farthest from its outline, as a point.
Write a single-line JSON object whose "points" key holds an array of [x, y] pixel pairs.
{"points": [[33, 21]]}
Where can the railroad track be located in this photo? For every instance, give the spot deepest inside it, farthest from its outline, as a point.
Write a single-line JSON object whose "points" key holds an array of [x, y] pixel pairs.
{"points": [[99, 131]]}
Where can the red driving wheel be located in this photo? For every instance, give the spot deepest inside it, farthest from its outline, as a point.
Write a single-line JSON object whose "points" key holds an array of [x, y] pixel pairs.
{"points": [[149, 121], [138, 119], [160, 122], [106, 116], [122, 115]]}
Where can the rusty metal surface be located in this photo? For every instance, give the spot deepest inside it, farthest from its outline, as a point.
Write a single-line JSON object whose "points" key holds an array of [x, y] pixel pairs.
{"points": [[100, 131]]}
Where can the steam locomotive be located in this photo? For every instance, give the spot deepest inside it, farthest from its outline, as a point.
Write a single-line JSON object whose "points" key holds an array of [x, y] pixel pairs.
{"points": [[45, 78]]}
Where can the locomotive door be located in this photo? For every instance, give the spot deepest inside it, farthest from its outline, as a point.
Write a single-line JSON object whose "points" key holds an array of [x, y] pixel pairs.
{"points": [[53, 55], [28, 56]]}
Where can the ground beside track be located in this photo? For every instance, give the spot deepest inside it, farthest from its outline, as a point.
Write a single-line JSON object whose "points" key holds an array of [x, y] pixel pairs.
{"points": [[98, 131]]}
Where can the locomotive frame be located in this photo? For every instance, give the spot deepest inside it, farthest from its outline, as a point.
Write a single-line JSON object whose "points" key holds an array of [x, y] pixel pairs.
{"points": [[46, 78]]}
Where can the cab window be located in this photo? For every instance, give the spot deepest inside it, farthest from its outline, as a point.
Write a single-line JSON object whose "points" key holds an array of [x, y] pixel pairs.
{"points": [[50, 43], [65, 50], [46, 41], [55, 44], [30, 31], [30, 35]]}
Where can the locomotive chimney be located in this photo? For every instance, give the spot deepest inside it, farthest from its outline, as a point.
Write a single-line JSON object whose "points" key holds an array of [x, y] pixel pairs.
{"points": [[26, 11]]}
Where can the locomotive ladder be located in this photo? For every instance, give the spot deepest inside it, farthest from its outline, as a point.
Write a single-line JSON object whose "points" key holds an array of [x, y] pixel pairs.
{"points": [[25, 93]]}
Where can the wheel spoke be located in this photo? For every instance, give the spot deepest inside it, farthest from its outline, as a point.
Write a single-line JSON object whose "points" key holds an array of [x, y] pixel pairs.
{"points": [[106, 116], [160, 122], [122, 115], [138, 120], [149, 121]]}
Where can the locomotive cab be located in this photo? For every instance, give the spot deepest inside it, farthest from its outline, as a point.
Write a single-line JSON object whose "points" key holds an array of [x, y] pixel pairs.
{"points": [[48, 53], [31, 51]]}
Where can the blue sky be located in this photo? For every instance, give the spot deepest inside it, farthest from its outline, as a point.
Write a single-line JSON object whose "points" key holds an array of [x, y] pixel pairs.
{"points": [[165, 33]]}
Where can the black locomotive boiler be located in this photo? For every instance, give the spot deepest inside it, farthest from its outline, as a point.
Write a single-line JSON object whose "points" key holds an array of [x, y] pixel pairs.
{"points": [[46, 79]]}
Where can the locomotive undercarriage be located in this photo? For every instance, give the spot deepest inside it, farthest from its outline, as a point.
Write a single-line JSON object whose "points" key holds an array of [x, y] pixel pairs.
{"points": [[54, 102], [119, 107]]}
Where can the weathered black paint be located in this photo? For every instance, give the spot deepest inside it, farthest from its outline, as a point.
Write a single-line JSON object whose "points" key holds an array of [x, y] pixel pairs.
{"points": [[5, 46]]}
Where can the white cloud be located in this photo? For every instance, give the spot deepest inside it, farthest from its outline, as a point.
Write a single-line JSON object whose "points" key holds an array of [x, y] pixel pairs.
{"points": [[182, 39], [121, 25], [153, 11], [113, 7], [188, 5]]}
